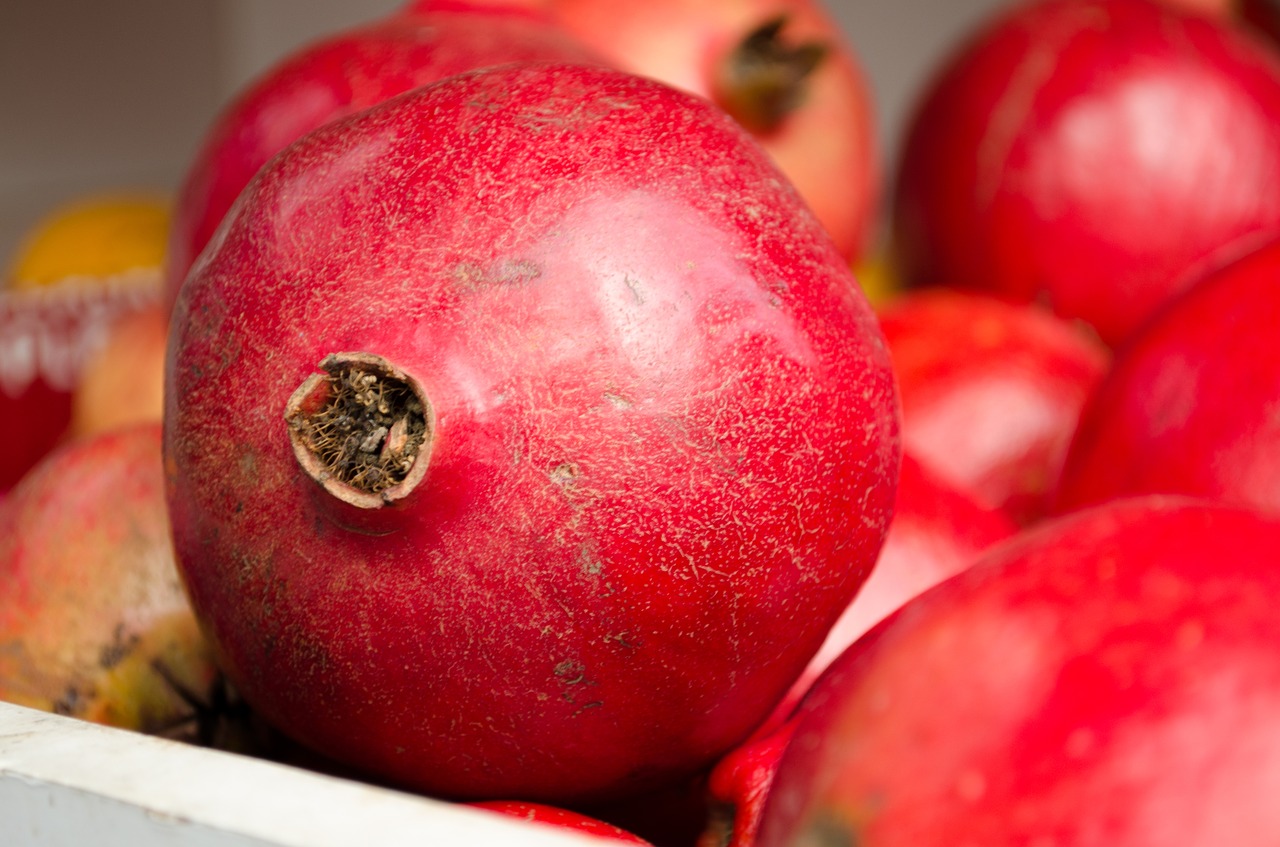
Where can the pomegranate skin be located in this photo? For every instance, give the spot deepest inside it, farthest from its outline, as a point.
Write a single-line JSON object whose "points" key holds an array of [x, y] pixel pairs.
{"points": [[1108, 678], [738, 787], [1189, 405], [991, 393], [825, 144], [664, 436], [1091, 154], [94, 622], [937, 531], [338, 76]]}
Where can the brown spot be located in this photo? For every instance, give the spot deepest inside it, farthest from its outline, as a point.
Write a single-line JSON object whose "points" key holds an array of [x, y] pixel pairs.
{"points": [[66, 704], [118, 650], [566, 474], [825, 830]]}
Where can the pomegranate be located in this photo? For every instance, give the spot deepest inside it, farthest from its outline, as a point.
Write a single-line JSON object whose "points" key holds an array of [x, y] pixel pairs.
{"points": [[1189, 406], [937, 531], [1108, 678], [1095, 155], [543, 814], [337, 76], [782, 68], [123, 382], [991, 392], [739, 786], [526, 434], [93, 619]]}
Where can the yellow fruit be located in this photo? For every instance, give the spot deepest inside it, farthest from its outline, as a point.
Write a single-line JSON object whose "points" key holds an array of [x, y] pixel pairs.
{"points": [[876, 275], [102, 236]]}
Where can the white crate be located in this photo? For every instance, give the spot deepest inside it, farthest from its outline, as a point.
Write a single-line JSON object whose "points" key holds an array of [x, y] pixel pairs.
{"points": [[68, 783]]}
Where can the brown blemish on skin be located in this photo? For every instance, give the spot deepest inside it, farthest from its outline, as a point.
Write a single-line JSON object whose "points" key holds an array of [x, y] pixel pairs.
{"points": [[119, 649], [827, 831], [566, 474]]}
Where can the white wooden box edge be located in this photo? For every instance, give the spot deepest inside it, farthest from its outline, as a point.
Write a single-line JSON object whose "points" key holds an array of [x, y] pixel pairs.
{"points": [[68, 782]]}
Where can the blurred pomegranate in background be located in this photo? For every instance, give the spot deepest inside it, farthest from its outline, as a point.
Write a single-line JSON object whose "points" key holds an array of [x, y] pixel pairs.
{"points": [[1192, 403], [991, 392], [1092, 155], [782, 68], [94, 622], [337, 76], [123, 382], [1106, 678], [937, 530]]}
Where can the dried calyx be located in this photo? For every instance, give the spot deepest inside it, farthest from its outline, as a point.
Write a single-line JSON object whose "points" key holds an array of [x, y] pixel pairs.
{"points": [[362, 429], [764, 79]]}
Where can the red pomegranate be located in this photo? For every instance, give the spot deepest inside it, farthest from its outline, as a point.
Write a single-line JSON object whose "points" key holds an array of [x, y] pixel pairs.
{"points": [[739, 787], [937, 531], [337, 76], [991, 392], [1108, 678], [526, 434], [1094, 155], [782, 68], [93, 619], [1190, 404]]}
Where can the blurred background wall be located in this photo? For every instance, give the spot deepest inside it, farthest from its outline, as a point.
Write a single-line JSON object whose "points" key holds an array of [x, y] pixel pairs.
{"points": [[98, 94]]}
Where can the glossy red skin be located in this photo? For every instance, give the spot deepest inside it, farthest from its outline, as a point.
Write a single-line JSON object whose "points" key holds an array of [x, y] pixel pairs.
{"points": [[738, 787], [674, 326], [826, 147], [336, 77], [1110, 678], [991, 392], [937, 531], [1189, 406], [541, 813], [1094, 155]]}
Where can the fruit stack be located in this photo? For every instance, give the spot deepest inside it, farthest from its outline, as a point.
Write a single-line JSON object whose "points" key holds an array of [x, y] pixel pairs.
{"points": [[511, 430]]}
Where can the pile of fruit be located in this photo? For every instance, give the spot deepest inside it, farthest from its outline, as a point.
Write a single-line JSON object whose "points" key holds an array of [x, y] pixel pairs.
{"points": [[494, 413]]}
